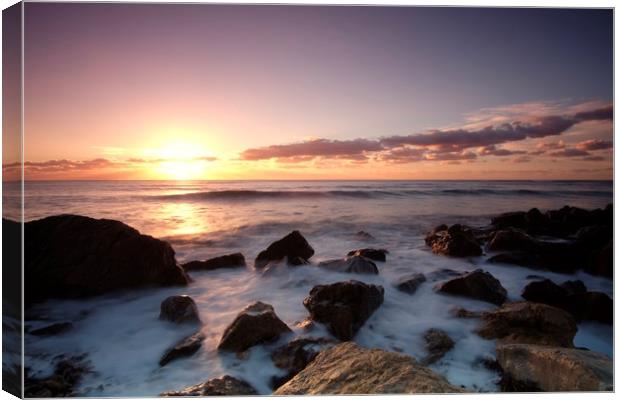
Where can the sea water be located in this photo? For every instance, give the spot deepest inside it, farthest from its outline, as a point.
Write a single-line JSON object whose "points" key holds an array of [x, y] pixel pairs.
{"points": [[123, 339]]}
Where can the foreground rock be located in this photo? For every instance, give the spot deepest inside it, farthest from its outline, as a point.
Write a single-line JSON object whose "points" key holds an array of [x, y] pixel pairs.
{"points": [[61, 383], [529, 367], [438, 343], [179, 309], [71, 256], [529, 323], [373, 254], [294, 356], [257, 323], [184, 348], [455, 241], [224, 386], [409, 283], [343, 306], [478, 285], [228, 261], [293, 246], [350, 369], [351, 265]]}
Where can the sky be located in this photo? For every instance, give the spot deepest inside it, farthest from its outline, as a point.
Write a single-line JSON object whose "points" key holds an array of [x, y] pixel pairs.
{"points": [[119, 91]]}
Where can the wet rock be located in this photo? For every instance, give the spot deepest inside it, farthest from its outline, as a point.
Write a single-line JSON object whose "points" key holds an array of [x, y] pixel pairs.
{"points": [[373, 254], [574, 287], [295, 355], [296, 261], [363, 235], [553, 369], [456, 241], [350, 369], [62, 382], [516, 219], [70, 256], [228, 261], [435, 234], [179, 309], [593, 306], [184, 348], [460, 312], [438, 343], [602, 261], [343, 306], [291, 246], [513, 240], [478, 284], [409, 283], [255, 324], [352, 265], [223, 386], [546, 292], [54, 329], [529, 323], [443, 273], [517, 258]]}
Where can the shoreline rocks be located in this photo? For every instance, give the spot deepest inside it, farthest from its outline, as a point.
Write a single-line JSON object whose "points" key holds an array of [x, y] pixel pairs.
{"points": [[479, 285], [293, 246], [438, 343], [67, 374], [410, 283], [179, 309], [223, 386], [184, 348], [235, 260], [351, 265], [372, 254], [455, 241], [295, 355]]}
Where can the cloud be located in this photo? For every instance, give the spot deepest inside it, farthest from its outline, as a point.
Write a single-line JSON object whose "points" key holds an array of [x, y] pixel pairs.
{"points": [[499, 152], [316, 148], [570, 152], [595, 144]]}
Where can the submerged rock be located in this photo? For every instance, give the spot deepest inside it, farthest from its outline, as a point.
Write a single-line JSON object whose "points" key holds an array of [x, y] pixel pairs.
{"points": [[409, 283], [71, 256], [438, 343], [343, 306], [478, 284], [351, 265], [184, 348], [54, 329], [255, 324], [529, 323], [292, 246], [350, 369], [363, 235], [179, 309], [295, 355], [61, 383], [528, 367], [223, 386], [228, 261], [455, 241], [373, 254]]}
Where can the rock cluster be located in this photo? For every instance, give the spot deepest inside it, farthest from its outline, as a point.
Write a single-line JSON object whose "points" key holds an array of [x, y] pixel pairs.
{"points": [[223, 386], [293, 247], [228, 261], [478, 284]]}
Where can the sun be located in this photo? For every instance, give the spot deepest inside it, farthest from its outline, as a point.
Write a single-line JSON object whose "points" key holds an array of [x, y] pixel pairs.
{"points": [[180, 160]]}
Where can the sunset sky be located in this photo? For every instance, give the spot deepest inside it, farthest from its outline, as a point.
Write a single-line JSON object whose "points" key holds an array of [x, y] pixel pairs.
{"points": [[177, 91]]}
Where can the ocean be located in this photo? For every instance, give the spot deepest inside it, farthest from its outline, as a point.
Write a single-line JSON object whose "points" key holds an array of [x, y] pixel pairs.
{"points": [[123, 338]]}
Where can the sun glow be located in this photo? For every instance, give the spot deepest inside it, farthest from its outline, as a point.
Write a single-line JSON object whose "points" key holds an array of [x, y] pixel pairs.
{"points": [[181, 160]]}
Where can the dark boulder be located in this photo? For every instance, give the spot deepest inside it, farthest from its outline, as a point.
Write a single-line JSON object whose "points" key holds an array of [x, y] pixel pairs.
{"points": [[184, 348], [291, 246], [70, 256], [478, 284], [546, 292], [255, 324], [294, 356], [456, 241], [373, 254], [179, 309], [223, 386], [228, 261], [593, 306], [352, 265], [602, 261], [343, 306], [438, 343], [513, 240], [574, 287], [54, 329], [409, 283]]}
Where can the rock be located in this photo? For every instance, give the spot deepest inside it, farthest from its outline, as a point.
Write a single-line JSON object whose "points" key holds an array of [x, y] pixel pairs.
{"points": [[478, 284], [255, 324], [54, 329], [354, 265], [443, 273], [350, 369], [546, 292], [61, 383], [553, 369], [438, 343], [373, 254], [295, 355], [291, 246], [594, 306], [435, 234], [71, 256], [529, 323], [513, 240], [574, 287], [228, 261], [363, 235], [296, 261], [184, 348], [516, 219], [223, 386], [343, 306], [522, 259], [456, 241], [179, 309], [602, 262], [409, 283], [460, 312]]}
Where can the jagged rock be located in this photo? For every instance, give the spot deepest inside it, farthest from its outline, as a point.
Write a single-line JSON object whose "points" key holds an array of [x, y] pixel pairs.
{"points": [[546, 292], [438, 343], [255, 324], [228, 261], [409, 283], [184, 348], [179, 309], [292, 246], [478, 284], [54, 329], [373, 254], [70, 256], [529, 323], [456, 241], [513, 240], [351, 265], [223, 386], [343, 306], [350, 369], [554, 369], [295, 355], [61, 383]]}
